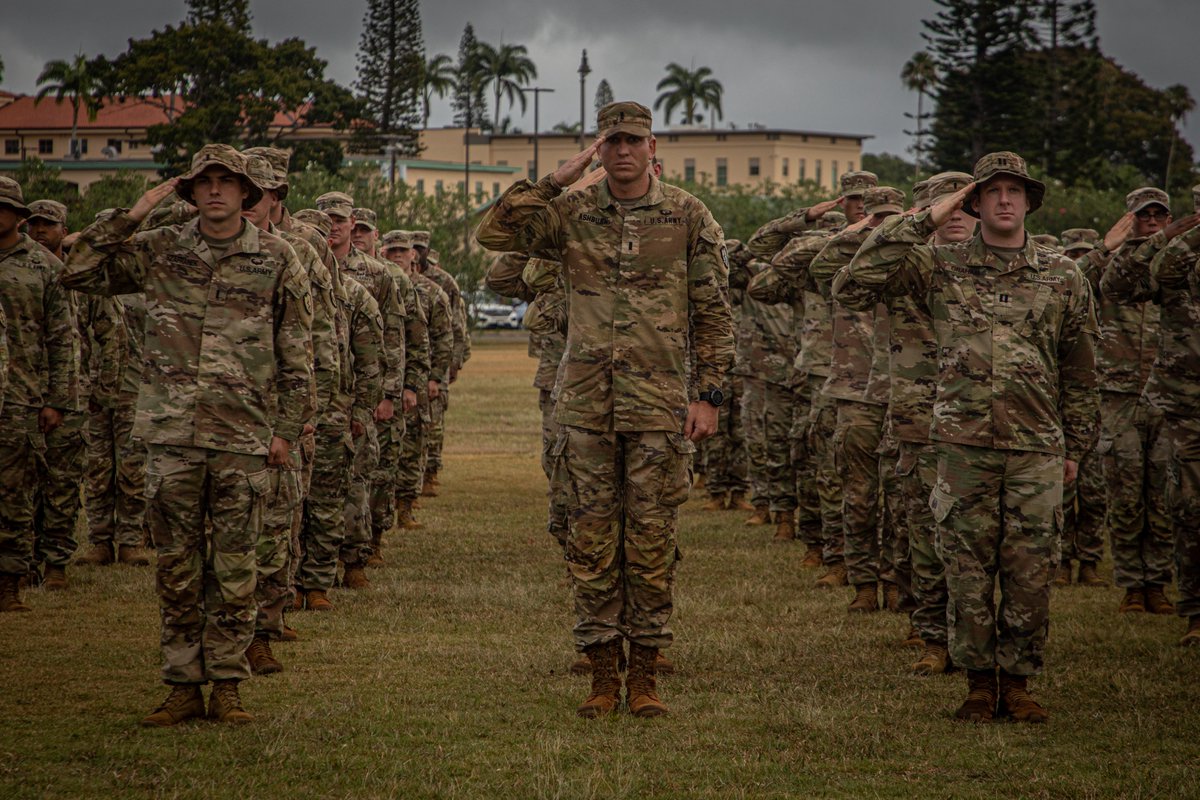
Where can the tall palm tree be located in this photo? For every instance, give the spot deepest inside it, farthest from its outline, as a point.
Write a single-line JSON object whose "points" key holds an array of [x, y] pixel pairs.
{"points": [[690, 89], [918, 75], [74, 80], [507, 68], [437, 77], [1179, 105]]}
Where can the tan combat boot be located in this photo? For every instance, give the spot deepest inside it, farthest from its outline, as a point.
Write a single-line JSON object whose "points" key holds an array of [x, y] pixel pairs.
{"points": [[224, 704], [812, 557], [429, 486], [1062, 574], [1157, 601], [376, 557], [262, 660], [715, 503], [1134, 602], [663, 665], [581, 665], [785, 527], [1089, 575], [912, 638], [891, 597], [297, 598], [185, 702], [934, 660], [316, 600], [761, 516], [54, 579], [640, 686], [355, 577], [1015, 701], [605, 694], [866, 598], [407, 520], [10, 595], [698, 484], [834, 576], [132, 556], [980, 705], [1192, 637], [737, 502], [289, 634], [97, 555]]}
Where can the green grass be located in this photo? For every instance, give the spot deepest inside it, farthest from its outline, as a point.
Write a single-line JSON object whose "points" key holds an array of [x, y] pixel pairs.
{"points": [[448, 677]]}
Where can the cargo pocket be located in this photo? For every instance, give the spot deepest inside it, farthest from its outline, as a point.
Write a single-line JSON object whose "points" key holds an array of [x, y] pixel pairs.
{"points": [[940, 504], [561, 484], [677, 471], [260, 492], [1060, 527], [159, 538], [906, 462]]}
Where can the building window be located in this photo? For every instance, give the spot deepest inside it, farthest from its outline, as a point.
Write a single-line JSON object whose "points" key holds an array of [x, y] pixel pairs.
{"points": [[672, 138], [785, 168], [439, 186], [721, 137], [772, 137], [82, 145], [115, 144], [495, 188], [833, 173], [689, 170], [755, 169], [722, 172], [817, 172], [801, 169], [532, 171], [134, 145], [45, 147], [12, 147], [421, 185], [479, 189], [502, 162], [849, 166], [833, 140]]}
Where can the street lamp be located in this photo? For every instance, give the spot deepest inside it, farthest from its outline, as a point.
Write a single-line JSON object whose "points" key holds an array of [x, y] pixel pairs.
{"points": [[537, 92], [584, 71]]}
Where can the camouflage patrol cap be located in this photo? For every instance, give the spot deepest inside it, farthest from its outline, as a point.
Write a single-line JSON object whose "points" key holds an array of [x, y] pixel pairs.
{"points": [[855, 184], [420, 239], [11, 196], [1080, 239], [1048, 240], [318, 219], [260, 171], [218, 155], [365, 216], [624, 117], [831, 219], [278, 182], [1005, 163], [945, 183], [1138, 199], [920, 194], [433, 257], [51, 210], [883, 199], [336, 204], [396, 240]]}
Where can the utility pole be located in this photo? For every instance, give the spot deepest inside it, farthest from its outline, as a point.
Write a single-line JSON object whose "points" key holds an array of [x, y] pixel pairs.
{"points": [[537, 92], [467, 171], [584, 71]]}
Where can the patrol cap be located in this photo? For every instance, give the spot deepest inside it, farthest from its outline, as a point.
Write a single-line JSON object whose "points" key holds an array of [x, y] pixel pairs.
{"points": [[945, 183], [1138, 199], [396, 240], [624, 117], [1005, 163], [855, 184], [336, 204], [420, 239], [831, 219], [920, 194], [51, 210], [279, 158], [1080, 239], [1048, 240], [218, 155], [432, 258], [318, 219], [12, 196], [364, 216], [260, 171], [883, 199]]}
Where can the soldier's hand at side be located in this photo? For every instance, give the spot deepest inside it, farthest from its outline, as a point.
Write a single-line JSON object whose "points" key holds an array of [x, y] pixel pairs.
{"points": [[408, 401], [822, 208], [943, 209], [1181, 225], [277, 455], [701, 421], [150, 200], [49, 419], [357, 429], [1070, 471], [453, 374], [573, 170], [434, 390], [308, 430], [1119, 232], [384, 411]]}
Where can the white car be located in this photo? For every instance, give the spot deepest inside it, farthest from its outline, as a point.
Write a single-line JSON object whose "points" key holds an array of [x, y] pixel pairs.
{"points": [[496, 315]]}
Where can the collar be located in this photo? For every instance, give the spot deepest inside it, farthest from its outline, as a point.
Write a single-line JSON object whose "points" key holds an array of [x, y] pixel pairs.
{"points": [[980, 254], [653, 197], [190, 238]]}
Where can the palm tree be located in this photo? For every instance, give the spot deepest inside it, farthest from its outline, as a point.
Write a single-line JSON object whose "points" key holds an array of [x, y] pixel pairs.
{"points": [[1179, 105], [437, 77], [687, 88], [507, 68], [78, 82], [919, 74]]}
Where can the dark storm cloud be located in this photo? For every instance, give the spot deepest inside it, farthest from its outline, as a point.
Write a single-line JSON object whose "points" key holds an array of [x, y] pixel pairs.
{"points": [[784, 63]]}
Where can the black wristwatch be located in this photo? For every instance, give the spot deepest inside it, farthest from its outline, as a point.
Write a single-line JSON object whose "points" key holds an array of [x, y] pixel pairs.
{"points": [[714, 397]]}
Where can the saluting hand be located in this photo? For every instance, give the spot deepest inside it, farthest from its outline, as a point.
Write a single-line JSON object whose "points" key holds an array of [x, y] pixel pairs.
{"points": [[150, 200], [823, 208], [1119, 232], [943, 209], [573, 170], [1181, 225]]}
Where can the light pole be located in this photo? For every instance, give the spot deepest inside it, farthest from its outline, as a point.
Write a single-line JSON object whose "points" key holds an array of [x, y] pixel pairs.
{"points": [[537, 92], [584, 71]]}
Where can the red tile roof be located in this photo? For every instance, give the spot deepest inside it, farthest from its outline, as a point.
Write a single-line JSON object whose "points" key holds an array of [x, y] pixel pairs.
{"points": [[133, 112]]}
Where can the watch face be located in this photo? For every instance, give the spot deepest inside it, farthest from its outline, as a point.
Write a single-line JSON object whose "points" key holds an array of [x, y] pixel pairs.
{"points": [[717, 397]]}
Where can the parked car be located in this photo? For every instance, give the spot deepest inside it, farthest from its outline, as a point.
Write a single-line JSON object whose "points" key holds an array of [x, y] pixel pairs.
{"points": [[497, 315]]}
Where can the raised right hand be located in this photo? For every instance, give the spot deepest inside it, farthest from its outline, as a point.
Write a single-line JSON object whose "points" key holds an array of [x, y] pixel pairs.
{"points": [[943, 209], [822, 208], [573, 170], [150, 200]]}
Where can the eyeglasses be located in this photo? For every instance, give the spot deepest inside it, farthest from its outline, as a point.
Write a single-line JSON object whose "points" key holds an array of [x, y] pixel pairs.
{"points": [[1152, 213]]}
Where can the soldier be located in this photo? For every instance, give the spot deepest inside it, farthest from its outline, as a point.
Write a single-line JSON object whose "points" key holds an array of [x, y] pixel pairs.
{"points": [[1049, 241], [1016, 411], [42, 382], [627, 440], [226, 391]]}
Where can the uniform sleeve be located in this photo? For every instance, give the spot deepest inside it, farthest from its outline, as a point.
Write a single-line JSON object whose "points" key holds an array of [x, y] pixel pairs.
{"points": [[710, 316], [541, 274], [295, 387], [1172, 267], [547, 314], [441, 338], [503, 277], [105, 327], [771, 238], [837, 253], [1079, 398], [366, 348], [110, 258], [327, 370], [1126, 278], [416, 341], [3, 357], [525, 220], [769, 287], [895, 260], [458, 323], [391, 308], [61, 335]]}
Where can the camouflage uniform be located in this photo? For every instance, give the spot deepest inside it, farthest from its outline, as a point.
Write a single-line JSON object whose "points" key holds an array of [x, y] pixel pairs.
{"points": [[228, 366], [436, 307], [1016, 393], [635, 278], [436, 434]]}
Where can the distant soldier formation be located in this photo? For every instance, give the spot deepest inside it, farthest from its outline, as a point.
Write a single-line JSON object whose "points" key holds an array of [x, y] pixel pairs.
{"points": [[932, 402]]}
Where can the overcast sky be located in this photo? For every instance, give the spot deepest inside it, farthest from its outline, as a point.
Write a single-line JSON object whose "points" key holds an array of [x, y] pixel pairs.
{"points": [[826, 66]]}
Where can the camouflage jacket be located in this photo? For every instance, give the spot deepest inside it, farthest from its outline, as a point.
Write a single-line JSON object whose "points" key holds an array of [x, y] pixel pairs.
{"points": [[816, 330], [416, 334], [768, 351], [634, 279], [858, 364], [43, 357], [133, 332], [505, 277], [379, 282], [458, 317], [773, 237], [3, 356], [435, 305], [228, 343], [1016, 370], [102, 336], [363, 361], [1128, 332]]}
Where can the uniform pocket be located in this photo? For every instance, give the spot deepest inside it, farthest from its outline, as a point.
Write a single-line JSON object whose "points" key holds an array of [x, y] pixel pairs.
{"points": [[940, 503], [677, 471]]}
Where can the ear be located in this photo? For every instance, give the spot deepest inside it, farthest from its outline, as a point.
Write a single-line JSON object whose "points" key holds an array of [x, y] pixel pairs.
{"points": [[653, 146], [975, 202]]}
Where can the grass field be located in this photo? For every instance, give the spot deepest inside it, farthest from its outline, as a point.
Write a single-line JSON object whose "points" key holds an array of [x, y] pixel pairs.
{"points": [[448, 677]]}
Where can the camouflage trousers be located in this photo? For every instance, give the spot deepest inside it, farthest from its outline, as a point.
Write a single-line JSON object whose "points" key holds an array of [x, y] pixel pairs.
{"points": [[115, 496], [325, 509], [822, 427], [1084, 504], [435, 435], [356, 546], [917, 469], [895, 565], [205, 510], [410, 477], [724, 461], [1136, 456], [804, 467], [59, 494], [998, 514], [1183, 498], [274, 550], [308, 455], [557, 518], [768, 411], [856, 444], [383, 478], [22, 449], [625, 490]]}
